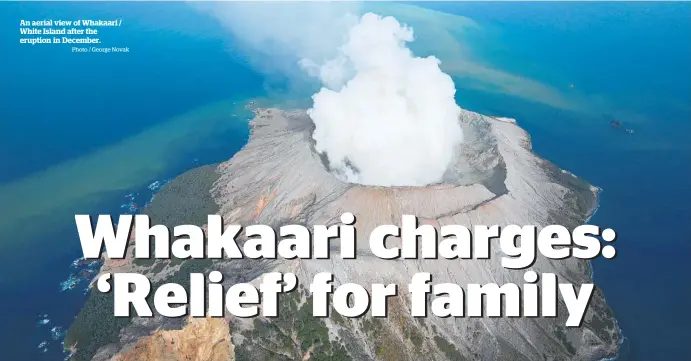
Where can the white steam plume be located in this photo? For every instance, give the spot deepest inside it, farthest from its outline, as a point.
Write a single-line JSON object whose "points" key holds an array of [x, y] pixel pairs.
{"points": [[395, 121], [384, 117]]}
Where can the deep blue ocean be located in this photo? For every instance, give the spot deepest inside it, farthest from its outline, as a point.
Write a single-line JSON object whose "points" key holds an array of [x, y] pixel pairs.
{"points": [[107, 126]]}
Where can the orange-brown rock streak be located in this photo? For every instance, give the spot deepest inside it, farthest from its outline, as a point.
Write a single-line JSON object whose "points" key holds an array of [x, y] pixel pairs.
{"points": [[202, 339]]}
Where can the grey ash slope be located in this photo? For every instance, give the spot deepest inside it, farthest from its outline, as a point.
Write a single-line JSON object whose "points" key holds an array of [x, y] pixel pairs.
{"points": [[278, 178]]}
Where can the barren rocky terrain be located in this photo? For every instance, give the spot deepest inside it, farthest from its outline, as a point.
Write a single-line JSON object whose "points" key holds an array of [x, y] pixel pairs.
{"points": [[278, 178]]}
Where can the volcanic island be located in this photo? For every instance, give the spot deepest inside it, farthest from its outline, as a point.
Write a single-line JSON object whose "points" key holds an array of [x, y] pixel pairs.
{"points": [[279, 178]]}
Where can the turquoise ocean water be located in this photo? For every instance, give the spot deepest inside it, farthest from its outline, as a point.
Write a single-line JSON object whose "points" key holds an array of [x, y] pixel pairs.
{"points": [[78, 134]]}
